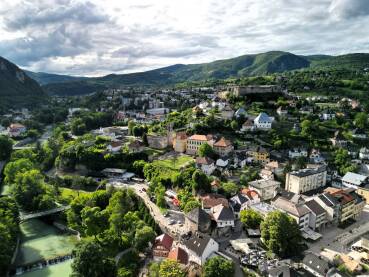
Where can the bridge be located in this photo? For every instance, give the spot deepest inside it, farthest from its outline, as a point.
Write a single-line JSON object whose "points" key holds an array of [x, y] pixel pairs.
{"points": [[24, 217]]}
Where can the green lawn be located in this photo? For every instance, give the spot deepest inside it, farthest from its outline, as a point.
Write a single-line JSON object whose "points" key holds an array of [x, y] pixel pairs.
{"points": [[174, 163], [67, 195]]}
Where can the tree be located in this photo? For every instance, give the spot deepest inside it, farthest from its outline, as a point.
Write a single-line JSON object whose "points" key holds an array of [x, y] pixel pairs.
{"points": [[361, 120], [281, 234], [190, 205], [250, 218], [90, 260], [138, 167], [12, 168], [200, 181], [143, 236], [94, 221], [205, 150], [170, 268], [6, 147], [234, 125], [218, 267], [230, 189]]}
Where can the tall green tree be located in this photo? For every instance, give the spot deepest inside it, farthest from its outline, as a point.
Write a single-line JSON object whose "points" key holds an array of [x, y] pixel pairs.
{"points": [[6, 147], [361, 120], [218, 267], [205, 150], [170, 268], [250, 218]]}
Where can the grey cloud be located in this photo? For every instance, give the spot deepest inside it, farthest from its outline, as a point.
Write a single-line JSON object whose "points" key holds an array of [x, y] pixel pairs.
{"points": [[346, 9]]}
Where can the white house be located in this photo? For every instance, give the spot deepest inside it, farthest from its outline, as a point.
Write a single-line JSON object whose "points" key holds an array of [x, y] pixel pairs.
{"points": [[206, 165], [353, 180], [222, 162], [282, 111], [297, 153], [327, 115], [364, 153], [263, 121], [240, 112], [223, 216], [199, 248]]}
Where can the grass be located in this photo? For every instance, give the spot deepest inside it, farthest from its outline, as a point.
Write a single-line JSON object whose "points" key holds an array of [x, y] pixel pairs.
{"points": [[67, 195], [174, 163]]}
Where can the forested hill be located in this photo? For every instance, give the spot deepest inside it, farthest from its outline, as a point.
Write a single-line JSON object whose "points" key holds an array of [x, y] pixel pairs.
{"points": [[17, 89]]}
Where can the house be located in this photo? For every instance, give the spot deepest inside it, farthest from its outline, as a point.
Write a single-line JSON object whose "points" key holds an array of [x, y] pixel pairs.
{"points": [[297, 153], [215, 185], [227, 113], [339, 140], [354, 180], [240, 112], [157, 142], [359, 134], [275, 167], [327, 115], [307, 179], [113, 172], [180, 142], [222, 163], [199, 247], [223, 216], [241, 201], [162, 246], [315, 265], [263, 122], [282, 111], [266, 174], [179, 255], [279, 271], [197, 220], [16, 130], [136, 146], [247, 126], [306, 110], [114, 146], [294, 208], [316, 157], [195, 141], [266, 189], [346, 202], [330, 205], [318, 216], [259, 154], [210, 200], [364, 153], [206, 164], [359, 201], [223, 147]]}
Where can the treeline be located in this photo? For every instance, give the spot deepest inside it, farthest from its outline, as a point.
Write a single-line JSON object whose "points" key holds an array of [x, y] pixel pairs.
{"points": [[86, 121]]}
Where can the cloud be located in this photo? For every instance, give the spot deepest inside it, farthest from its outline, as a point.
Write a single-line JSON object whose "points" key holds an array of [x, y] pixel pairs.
{"points": [[346, 9], [96, 37]]}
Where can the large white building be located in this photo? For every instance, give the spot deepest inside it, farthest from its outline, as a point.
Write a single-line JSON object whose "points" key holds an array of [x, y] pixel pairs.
{"points": [[194, 142], [263, 121], [306, 179], [266, 189], [199, 248]]}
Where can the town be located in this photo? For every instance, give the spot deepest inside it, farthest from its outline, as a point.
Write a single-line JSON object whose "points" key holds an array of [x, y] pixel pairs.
{"points": [[218, 180]]}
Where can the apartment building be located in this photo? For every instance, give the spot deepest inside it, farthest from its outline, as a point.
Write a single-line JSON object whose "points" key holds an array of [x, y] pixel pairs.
{"points": [[195, 141], [266, 189], [306, 179]]}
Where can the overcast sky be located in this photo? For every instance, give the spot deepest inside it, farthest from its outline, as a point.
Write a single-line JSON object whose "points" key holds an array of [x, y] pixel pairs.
{"points": [[98, 37]]}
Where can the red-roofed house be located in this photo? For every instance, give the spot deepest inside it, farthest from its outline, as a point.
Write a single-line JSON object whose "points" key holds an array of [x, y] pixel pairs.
{"points": [[195, 141], [16, 129], [179, 255], [223, 147], [162, 246]]}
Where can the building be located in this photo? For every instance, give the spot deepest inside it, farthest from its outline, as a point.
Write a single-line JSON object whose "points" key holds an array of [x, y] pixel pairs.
{"points": [[330, 205], [318, 216], [282, 112], [227, 113], [297, 153], [198, 220], [195, 141], [206, 165], [115, 146], [16, 130], [208, 201], [266, 189], [327, 115], [136, 146], [157, 142], [364, 153], [199, 248], [241, 201], [179, 255], [259, 154], [240, 112], [347, 203], [315, 265], [354, 180], [247, 126], [223, 216], [296, 209], [339, 140], [162, 246], [254, 89], [263, 122], [223, 147], [180, 142], [316, 157], [307, 179]]}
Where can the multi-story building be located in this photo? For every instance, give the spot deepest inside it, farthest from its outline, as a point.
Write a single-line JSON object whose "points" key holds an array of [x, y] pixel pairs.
{"points": [[259, 154], [263, 122], [330, 205], [223, 147], [318, 216], [266, 189], [158, 142], [306, 179], [195, 141]]}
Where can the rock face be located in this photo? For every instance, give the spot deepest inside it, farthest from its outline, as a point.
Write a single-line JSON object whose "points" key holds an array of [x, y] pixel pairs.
{"points": [[17, 90]]}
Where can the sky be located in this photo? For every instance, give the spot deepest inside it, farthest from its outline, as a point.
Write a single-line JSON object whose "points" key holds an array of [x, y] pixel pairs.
{"points": [[98, 37]]}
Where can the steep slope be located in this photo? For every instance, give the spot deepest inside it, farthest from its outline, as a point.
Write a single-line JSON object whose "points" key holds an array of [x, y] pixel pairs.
{"points": [[17, 89], [348, 61], [48, 78], [247, 65]]}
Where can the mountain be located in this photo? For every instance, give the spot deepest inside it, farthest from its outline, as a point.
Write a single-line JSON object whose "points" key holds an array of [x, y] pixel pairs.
{"points": [[17, 89], [247, 65], [242, 66], [48, 78]]}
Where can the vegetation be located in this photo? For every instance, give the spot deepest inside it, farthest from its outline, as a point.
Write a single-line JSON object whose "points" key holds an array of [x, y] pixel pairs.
{"points": [[6, 147], [250, 218], [218, 267]]}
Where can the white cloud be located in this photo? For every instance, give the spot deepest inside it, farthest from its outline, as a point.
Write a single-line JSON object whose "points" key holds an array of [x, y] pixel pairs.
{"points": [[97, 37]]}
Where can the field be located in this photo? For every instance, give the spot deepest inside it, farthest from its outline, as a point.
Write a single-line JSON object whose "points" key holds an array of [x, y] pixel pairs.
{"points": [[174, 163]]}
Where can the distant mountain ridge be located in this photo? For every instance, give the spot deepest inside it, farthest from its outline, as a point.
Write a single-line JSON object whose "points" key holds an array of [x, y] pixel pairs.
{"points": [[46, 78], [17, 89], [242, 66]]}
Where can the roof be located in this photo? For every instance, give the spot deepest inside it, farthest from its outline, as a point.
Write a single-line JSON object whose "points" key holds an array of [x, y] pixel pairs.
{"points": [[198, 215], [165, 240], [341, 196], [204, 160], [296, 209], [212, 200], [316, 263], [259, 184], [220, 212], [179, 255], [315, 207], [223, 143], [114, 170], [198, 137], [328, 200], [308, 171], [197, 243], [263, 117], [16, 125], [354, 178], [181, 135], [135, 144], [248, 123]]}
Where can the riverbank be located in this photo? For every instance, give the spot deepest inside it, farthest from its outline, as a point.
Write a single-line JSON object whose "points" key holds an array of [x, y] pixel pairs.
{"points": [[63, 269]]}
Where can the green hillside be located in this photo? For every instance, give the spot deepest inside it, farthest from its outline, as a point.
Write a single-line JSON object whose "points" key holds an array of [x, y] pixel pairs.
{"points": [[17, 89], [47, 78]]}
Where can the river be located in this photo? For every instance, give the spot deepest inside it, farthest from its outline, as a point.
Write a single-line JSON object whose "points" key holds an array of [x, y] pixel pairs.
{"points": [[41, 241]]}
